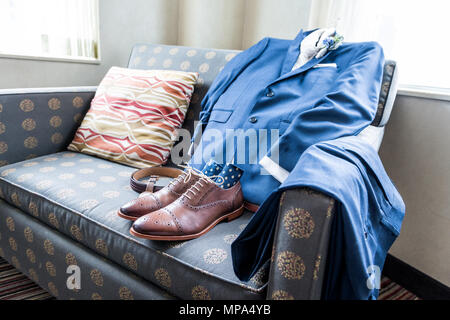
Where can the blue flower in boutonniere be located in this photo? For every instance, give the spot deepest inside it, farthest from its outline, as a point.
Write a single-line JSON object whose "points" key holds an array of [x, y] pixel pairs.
{"points": [[332, 42], [329, 40]]}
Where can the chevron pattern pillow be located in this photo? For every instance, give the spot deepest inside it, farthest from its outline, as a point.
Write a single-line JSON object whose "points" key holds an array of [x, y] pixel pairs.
{"points": [[134, 116]]}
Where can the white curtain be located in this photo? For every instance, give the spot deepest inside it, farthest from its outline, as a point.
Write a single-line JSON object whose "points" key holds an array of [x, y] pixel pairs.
{"points": [[412, 32], [56, 28]]}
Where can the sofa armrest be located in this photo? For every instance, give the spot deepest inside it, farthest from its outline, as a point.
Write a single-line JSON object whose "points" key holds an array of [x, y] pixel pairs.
{"points": [[35, 122], [300, 245]]}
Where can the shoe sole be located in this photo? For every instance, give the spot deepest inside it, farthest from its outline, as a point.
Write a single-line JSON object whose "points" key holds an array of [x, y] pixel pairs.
{"points": [[124, 216], [229, 217]]}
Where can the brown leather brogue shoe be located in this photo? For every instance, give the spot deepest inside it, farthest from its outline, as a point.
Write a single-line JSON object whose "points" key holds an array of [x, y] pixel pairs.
{"points": [[193, 214], [152, 201]]}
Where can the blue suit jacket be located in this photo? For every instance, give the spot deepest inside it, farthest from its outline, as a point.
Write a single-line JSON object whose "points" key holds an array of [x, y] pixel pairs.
{"points": [[368, 218], [325, 99]]}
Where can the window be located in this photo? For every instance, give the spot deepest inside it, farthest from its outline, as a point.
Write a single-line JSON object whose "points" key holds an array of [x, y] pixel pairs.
{"points": [[61, 29], [413, 32]]}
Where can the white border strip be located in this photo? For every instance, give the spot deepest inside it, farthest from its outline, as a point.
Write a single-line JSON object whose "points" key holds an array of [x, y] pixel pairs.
{"points": [[274, 169], [48, 90]]}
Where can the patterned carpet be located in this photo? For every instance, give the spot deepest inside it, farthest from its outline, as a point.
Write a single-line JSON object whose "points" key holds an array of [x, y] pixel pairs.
{"points": [[392, 291], [16, 286]]}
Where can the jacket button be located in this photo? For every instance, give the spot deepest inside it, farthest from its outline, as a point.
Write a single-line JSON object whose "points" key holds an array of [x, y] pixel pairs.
{"points": [[269, 93], [253, 119]]}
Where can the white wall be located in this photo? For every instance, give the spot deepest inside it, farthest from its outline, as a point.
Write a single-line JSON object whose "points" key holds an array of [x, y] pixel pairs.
{"points": [[416, 154], [212, 24], [122, 23], [238, 24], [279, 19]]}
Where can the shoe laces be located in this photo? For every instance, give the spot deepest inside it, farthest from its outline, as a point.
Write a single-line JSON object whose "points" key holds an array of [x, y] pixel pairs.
{"points": [[195, 189], [185, 175]]}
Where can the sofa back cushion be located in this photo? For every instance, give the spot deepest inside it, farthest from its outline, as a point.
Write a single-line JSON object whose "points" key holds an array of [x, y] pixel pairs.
{"points": [[207, 62], [134, 116]]}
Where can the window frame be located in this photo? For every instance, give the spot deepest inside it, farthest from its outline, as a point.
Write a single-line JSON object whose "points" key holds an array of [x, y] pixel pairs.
{"points": [[52, 58], [425, 92]]}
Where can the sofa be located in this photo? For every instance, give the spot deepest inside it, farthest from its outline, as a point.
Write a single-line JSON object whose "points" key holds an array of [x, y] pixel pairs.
{"points": [[58, 208]]}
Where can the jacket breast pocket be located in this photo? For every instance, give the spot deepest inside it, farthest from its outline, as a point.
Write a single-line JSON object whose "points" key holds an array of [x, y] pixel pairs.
{"points": [[321, 76], [218, 115]]}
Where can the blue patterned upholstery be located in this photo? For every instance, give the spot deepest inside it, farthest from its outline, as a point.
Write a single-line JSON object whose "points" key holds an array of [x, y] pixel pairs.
{"points": [[35, 122], [387, 94], [43, 254], [79, 196]]}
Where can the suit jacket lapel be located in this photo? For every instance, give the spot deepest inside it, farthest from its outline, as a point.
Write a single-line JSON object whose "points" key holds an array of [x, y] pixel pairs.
{"points": [[292, 53]]}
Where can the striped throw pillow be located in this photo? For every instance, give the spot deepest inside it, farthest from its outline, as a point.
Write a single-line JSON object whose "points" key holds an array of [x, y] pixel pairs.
{"points": [[134, 116]]}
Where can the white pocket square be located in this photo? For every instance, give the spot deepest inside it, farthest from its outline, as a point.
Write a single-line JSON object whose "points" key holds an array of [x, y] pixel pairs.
{"points": [[325, 65]]}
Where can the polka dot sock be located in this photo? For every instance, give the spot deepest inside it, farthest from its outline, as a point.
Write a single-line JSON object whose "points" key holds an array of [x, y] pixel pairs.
{"points": [[212, 168], [229, 176]]}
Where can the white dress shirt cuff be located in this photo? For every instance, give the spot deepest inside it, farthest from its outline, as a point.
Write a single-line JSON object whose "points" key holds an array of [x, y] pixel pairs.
{"points": [[274, 169]]}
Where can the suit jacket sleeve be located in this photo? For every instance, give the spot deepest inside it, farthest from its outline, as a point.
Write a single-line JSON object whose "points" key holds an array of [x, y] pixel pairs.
{"points": [[231, 70], [348, 108]]}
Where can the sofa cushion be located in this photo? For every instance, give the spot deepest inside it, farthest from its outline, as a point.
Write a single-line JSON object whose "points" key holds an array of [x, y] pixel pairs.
{"points": [[135, 115], [79, 195], [207, 62], [44, 254]]}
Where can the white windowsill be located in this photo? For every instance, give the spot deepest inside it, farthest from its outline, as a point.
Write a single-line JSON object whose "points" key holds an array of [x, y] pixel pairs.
{"points": [[51, 58], [424, 92]]}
